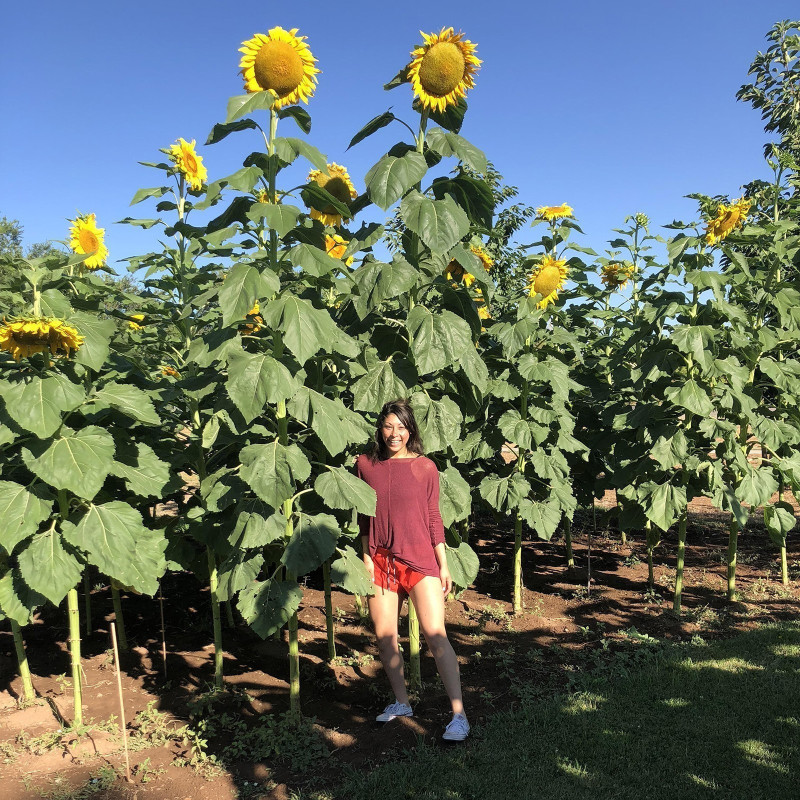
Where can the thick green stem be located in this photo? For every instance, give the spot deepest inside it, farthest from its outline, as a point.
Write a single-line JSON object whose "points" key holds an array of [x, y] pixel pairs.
{"points": [[75, 654], [22, 658], [568, 542], [784, 565], [733, 535], [414, 673], [360, 607], [87, 601], [213, 584], [517, 564], [326, 577], [122, 639], [229, 615], [676, 602]]}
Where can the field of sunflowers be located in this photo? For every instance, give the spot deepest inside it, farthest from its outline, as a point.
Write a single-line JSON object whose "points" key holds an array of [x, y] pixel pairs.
{"points": [[203, 418]]}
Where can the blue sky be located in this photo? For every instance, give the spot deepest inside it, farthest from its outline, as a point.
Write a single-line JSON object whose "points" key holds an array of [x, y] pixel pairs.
{"points": [[612, 107]]}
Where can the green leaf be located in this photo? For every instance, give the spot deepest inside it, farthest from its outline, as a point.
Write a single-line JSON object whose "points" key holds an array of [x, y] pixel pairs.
{"points": [[144, 473], [348, 572], [243, 180], [305, 329], [316, 197], [48, 568], [451, 144], [299, 115], [756, 487], [462, 561], [521, 432], [455, 501], [339, 488], [393, 176], [779, 519], [438, 339], [439, 421], [473, 195], [257, 379], [272, 470], [21, 513], [663, 503], [288, 149], [378, 281], [542, 517], [236, 572], [243, 286], [313, 542], [336, 426], [279, 217], [130, 400], [551, 371], [313, 260], [474, 367], [367, 235], [55, 304], [120, 546], [379, 384], [439, 223], [97, 335], [504, 494], [375, 124], [690, 396], [452, 117], [223, 129], [37, 405], [256, 526], [267, 605], [77, 460], [242, 104], [17, 600], [143, 194]]}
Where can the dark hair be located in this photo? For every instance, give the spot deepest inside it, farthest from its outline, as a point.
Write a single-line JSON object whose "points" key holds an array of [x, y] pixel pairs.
{"points": [[401, 408]]}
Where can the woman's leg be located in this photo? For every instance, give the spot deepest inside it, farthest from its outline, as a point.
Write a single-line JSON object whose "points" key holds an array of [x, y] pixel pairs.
{"points": [[429, 601], [384, 607]]}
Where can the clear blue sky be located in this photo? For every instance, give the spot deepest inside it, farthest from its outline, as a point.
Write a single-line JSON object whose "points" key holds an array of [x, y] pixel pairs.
{"points": [[612, 107]]}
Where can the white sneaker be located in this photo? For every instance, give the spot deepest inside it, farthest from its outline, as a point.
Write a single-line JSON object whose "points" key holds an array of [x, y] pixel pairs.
{"points": [[394, 710], [457, 730]]}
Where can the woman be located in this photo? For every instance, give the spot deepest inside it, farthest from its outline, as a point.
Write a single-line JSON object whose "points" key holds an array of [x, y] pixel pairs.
{"points": [[404, 552]]}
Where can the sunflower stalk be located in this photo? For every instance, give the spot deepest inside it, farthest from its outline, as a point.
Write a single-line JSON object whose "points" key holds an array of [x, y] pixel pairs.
{"points": [[22, 660], [676, 602], [568, 542], [213, 585], [329, 626], [75, 655], [122, 639], [520, 467], [414, 671]]}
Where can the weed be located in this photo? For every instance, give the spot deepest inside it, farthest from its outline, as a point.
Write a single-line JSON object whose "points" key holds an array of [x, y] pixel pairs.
{"points": [[355, 659], [59, 789], [145, 773], [631, 561]]}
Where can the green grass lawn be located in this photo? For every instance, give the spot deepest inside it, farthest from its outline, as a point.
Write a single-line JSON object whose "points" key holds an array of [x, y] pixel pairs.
{"points": [[714, 721]]}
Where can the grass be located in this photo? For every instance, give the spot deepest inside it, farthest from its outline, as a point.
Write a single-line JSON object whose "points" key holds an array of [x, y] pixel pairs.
{"points": [[700, 721]]}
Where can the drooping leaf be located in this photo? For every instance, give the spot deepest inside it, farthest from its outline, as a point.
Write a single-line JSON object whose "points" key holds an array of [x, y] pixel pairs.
{"points": [[17, 600], [48, 568], [299, 115], [375, 124], [455, 500], [348, 572], [462, 561], [221, 130], [313, 542], [279, 217], [267, 605], [335, 425], [447, 144], [256, 525], [130, 400], [756, 487], [339, 488], [236, 572], [779, 519], [272, 470], [543, 517], [438, 339], [21, 513], [663, 503], [439, 223], [243, 104], [142, 470], [439, 421], [255, 379], [97, 333], [313, 260], [288, 148], [305, 329], [394, 175], [692, 397], [378, 281], [37, 405], [504, 493], [243, 285], [382, 382]]}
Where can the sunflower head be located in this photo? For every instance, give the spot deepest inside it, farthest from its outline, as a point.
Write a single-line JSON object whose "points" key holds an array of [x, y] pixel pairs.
{"points": [[485, 258], [480, 305], [551, 213], [641, 219], [30, 335], [262, 196], [335, 247], [187, 163], [336, 181], [135, 322], [86, 238], [170, 372], [281, 63], [615, 274], [728, 218], [455, 273], [547, 279], [442, 69]]}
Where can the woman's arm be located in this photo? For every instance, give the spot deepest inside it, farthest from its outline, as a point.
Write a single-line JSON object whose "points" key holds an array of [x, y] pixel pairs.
{"points": [[444, 570]]}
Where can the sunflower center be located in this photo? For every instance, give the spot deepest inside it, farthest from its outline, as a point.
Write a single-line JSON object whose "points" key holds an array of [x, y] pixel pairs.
{"points": [[547, 281], [189, 161], [338, 188], [278, 66], [88, 240], [442, 69]]}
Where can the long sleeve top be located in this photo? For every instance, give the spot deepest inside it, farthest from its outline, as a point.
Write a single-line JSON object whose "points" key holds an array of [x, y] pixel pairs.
{"points": [[407, 520]]}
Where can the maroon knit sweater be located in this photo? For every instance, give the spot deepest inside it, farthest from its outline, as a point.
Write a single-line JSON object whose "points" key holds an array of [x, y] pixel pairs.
{"points": [[407, 520]]}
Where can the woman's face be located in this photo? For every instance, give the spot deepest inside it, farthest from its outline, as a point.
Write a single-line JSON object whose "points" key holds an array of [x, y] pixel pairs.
{"points": [[395, 436]]}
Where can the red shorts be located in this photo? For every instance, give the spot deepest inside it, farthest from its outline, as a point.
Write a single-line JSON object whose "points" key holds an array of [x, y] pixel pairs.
{"points": [[394, 575]]}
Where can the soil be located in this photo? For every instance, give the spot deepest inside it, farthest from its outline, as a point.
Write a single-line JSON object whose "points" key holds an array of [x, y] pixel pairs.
{"points": [[570, 618]]}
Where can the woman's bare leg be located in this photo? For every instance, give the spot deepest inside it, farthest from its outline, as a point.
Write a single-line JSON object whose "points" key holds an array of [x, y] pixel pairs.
{"points": [[429, 601], [384, 607]]}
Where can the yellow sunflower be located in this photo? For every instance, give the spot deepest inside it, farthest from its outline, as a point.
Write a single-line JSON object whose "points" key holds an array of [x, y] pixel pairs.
{"points": [[86, 238], [442, 69], [729, 217], [457, 274], [183, 155], [134, 322], [258, 320], [547, 279], [170, 372], [616, 275], [486, 260], [480, 305], [335, 247], [279, 62], [30, 335], [335, 181], [554, 212]]}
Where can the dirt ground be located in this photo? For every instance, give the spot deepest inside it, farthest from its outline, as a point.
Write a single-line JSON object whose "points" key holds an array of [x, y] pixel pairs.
{"points": [[570, 619]]}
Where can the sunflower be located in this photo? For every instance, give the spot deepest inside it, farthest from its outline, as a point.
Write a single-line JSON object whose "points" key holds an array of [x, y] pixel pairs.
{"points": [[442, 69], [86, 238], [183, 155], [336, 181], [262, 196], [480, 305], [30, 335], [170, 372], [486, 260], [547, 279], [258, 320], [335, 247], [616, 274], [554, 212], [729, 217], [456, 273], [279, 62], [134, 322]]}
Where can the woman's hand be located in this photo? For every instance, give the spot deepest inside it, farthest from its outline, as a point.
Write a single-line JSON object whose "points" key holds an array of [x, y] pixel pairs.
{"points": [[447, 581], [370, 565]]}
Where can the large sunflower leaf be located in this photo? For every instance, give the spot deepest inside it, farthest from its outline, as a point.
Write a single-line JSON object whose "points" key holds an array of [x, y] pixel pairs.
{"points": [[349, 572], [383, 381], [542, 517], [367, 235], [312, 260], [331, 420], [238, 570], [267, 605], [145, 474], [130, 400], [439, 223], [375, 124], [97, 335], [378, 281], [288, 148], [455, 500], [462, 561], [218, 133], [663, 503], [320, 199], [48, 568], [439, 421], [17, 600], [256, 526], [692, 397], [37, 405], [243, 286], [756, 487], [313, 542], [242, 104], [299, 115], [272, 470], [21, 513], [305, 329], [474, 367], [505, 493], [55, 304], [255, 379], [447, 144], [279, 217], [779, 520], [77, 460], [339, 488], [472, 195], [438, 339], [155, 191], [392, 176], [120, 546]]}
